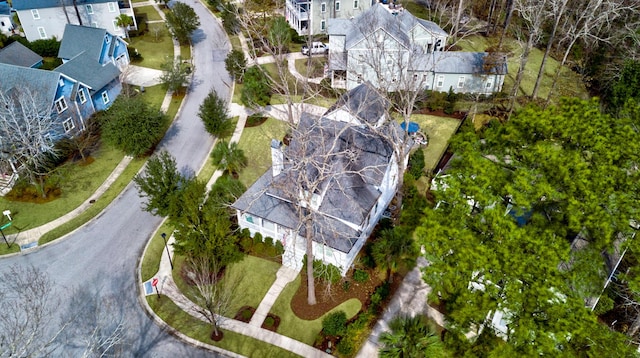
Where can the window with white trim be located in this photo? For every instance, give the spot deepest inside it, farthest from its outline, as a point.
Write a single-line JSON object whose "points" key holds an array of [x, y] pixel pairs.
{"points": [[337, 5], [489, 84], [359, 78], [35, 14], [323, 7], [43, 34], [94, 24], [461, 82], [115, 25], [61, 105], [112, 7], [440, 82], [105, 97], [355, 4], [107, 39], [68, 125], [82, 96], [323, 25], [89, 9]]}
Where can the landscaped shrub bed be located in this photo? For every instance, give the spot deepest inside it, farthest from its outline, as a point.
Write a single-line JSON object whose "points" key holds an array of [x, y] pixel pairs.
{"points": [[271, 322], [244, 314]]}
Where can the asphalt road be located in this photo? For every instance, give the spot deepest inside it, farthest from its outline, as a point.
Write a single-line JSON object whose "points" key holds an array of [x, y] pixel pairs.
{"points": [[99, 261]]}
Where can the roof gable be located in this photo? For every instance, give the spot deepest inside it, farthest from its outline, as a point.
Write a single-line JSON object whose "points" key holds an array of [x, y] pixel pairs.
{"points": [[43, 83], [84, 69], [19, 55], [82, 39]]}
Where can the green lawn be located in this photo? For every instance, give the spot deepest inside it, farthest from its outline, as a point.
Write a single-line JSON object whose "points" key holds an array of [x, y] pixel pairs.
{"points": [[78, 182], [199, 330], [315, 70], [150, 11], [154, 252], [154, 50], [570, 83], [255, 142], [257, 277], [439, 130], [303, 330]]}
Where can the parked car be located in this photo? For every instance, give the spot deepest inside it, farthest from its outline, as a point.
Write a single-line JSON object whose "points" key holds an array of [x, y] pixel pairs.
{"points": [[317, 48]]}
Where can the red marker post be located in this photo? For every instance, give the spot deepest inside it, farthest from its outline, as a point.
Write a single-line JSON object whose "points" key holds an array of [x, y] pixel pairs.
{"points": [[154, 283]]}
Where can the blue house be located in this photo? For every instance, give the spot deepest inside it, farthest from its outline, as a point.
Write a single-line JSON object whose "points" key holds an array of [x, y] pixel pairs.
{"points": [[88, 81]]}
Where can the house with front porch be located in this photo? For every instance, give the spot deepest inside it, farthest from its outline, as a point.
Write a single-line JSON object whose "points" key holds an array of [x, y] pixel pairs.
{"points": [[331, 182], [311, 17], [45, 19], [389, 47]]}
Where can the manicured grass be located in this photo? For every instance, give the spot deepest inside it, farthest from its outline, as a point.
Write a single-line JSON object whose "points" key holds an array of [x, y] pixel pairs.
{"points": [[235, 42], [154, 50], [439, 130], [150, 11], [4, 250], [114, 190], [154, 95], [570, 83], [255, 142], [78, 182], [194, 328], [303, 330], [153, 254], [185, 52], [308, 71], [257, 277], [237, 92]]}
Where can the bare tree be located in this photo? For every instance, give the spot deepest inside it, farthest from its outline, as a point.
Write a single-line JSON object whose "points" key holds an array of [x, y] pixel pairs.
{"points": [[556, 10], [26, 127], [532, 13], [213, 291], [591, 21], [28, 301]]}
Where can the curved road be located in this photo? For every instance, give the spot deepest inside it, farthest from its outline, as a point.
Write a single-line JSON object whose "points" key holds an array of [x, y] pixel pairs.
{"points": [[100, 259]]}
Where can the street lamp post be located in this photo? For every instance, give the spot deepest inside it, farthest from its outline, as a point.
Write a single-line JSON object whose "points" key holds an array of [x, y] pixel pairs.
{"points": [[164, 237]]}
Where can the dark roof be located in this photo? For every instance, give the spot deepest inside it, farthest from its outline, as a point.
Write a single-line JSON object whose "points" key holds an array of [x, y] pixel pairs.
{"points": [[84, 69], [42, 83], [82, 39], [41, 4], [364, 102], [345, 161], [19, 55]]}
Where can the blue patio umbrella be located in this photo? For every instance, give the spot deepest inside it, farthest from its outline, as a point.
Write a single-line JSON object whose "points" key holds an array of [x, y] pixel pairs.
{"points": [[413, 127]]}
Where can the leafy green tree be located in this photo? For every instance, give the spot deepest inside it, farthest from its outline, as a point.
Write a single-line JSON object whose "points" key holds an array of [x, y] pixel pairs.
{"points": [[256, 90], [411, 337], [335, 324], [416, 163], [279, 34], [213, 112], [124, 21], [182, 21], [228, 157], [133, 126], [230, 20], [160, 182], [236, 64], [203, 229], [226, 191], [175, 74], [507, 211], [392, 248], [626, 87]]}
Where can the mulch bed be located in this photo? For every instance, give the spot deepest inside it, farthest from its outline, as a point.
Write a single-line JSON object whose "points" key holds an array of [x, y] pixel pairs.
{"points": [[337, 295], [245, 317], [272, 327]]}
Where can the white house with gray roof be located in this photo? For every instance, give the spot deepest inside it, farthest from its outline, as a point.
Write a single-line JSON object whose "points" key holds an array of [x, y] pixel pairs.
{"points": [[340, 169], [45, 19], [311, 17], [394, 50]]}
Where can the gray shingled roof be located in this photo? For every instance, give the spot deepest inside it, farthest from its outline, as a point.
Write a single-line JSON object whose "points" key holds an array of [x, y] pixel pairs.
{"points": [[42, 83], [364, 102], [464, 62], [337, 26], [41, 4], [88, 71], [19, 55], [377, 17], [79, 39], [355, 160]]}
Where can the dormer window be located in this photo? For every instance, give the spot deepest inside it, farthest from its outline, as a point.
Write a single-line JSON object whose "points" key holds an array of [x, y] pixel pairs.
{"points": [[35, 14], [112, 7], [107, 39], [61, 105], [89, 9]]}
